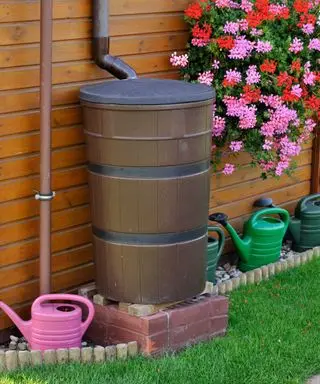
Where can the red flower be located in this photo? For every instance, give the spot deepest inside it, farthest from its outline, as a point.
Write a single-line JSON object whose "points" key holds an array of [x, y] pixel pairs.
{"points": [[284, 79], [226, 42], [228, 83], [296, 65], [307, 19], [269, 66], [262, 6], [301, 6], [284, 14], [251, 94], [288, 96], [313, 103], [203, 33], [254, 19], [194, 11]]}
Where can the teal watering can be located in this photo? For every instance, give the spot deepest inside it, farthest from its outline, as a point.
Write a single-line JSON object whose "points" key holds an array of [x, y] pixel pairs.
{"points": [[262, 236], [304, 227], [214, 251]]}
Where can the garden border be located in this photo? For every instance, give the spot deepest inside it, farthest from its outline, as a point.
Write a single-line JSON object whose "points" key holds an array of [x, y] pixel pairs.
{"points": [[263, 273], [12, 360]]}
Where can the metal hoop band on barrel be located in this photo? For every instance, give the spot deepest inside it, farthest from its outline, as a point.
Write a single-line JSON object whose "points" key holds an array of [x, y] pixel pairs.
{"points": [[151, 239], [165, 172]]}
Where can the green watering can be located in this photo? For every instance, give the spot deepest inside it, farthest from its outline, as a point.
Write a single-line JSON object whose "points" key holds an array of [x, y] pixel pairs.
{"points": [[262, 236], [304, 227], [215, 248]]}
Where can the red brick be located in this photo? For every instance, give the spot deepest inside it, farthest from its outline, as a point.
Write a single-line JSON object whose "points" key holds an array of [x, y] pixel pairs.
{"points": [[218, 325], [110, 314], [152, 344], [188, 313], [167, 330], [219, 305], [146, 325], [186, 334]]}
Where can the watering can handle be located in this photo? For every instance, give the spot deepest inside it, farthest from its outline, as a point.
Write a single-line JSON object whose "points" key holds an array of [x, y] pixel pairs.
{"points": [[67, 296], [222, 238], [309, 198], [272, 211]]}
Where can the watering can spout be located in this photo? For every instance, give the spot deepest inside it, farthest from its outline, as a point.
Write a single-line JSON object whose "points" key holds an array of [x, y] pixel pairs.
{"points": [[23, 326], [242, 245]]}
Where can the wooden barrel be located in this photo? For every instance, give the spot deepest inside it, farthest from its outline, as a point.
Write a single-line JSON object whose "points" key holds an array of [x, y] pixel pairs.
{"points": [[148, 148]]}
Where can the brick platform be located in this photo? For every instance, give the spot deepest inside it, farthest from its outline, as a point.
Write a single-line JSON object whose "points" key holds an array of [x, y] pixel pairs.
{"points": [[169, 330]]}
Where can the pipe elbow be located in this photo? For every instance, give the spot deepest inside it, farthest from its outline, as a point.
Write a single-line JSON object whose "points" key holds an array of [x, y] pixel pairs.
{"points": [[117, 67], [114, 65]]}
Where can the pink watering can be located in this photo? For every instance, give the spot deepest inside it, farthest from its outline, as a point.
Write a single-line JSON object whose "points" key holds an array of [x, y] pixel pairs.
{"points": [[53, 325]]}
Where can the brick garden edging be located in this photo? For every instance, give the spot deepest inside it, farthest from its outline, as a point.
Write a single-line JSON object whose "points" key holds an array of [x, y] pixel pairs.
{"points": [[12, 360], [263, 273]]}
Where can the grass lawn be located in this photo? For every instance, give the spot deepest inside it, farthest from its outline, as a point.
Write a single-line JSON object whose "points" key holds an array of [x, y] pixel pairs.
{"points": [[273, 338]]}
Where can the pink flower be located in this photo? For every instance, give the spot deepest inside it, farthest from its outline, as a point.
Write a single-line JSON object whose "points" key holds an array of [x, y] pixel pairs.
{"points": [[296, 90], [243, 25], [273, 101], [216, 64], [253, 76], [282, 166], [296, 46], [236, 146], [228, 169], [199, 42], [277, 9], [231, 27], [267, 166], [308, 29], [233, 76], [226, 4], [256, 32], [309, 78], [288, 148], [179, 61], [279, 122], [263, 46], [267, 145], [310, 125], [307, 66], [314, 44], [246, 5], [242, 48], [239, 108], [218, 126], [206, 78]]}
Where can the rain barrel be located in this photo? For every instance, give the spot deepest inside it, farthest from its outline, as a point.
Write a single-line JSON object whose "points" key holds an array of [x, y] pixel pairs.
{"points": [[148, 150]]}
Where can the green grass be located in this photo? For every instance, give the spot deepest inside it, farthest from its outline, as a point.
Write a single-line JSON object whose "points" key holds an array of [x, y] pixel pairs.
{"points": [[273, 338]]}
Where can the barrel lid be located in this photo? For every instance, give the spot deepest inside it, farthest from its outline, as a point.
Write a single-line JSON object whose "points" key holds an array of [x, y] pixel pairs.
{"points": [[146, 92]]}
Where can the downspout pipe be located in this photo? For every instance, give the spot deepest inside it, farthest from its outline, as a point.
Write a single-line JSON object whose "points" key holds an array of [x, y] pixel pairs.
{"points": [[45, 195], [114, 65]]}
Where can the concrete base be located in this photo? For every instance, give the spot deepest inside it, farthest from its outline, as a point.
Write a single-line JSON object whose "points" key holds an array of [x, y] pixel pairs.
{"points": [[171, 329]]}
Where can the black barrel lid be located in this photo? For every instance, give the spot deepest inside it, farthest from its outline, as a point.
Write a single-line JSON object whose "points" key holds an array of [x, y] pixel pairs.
{"points": [[146, 92]]}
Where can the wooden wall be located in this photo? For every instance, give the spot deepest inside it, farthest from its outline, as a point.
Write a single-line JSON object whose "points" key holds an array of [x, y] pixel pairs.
{"points": [[144, 33]]}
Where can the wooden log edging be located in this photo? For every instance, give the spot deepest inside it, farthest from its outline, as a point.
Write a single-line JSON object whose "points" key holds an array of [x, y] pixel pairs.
{"points": [[264, 273], [13, 360]]}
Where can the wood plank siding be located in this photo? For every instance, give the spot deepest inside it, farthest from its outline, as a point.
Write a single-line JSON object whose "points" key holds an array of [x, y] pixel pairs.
{"points": [[143, 33]]}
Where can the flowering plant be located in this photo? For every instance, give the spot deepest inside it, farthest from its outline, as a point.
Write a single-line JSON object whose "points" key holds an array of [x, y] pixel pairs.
{"points": [[263, 60]]}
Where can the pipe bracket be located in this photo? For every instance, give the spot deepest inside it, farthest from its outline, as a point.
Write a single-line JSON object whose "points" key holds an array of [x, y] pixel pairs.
{"points": [[45, 197]]}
